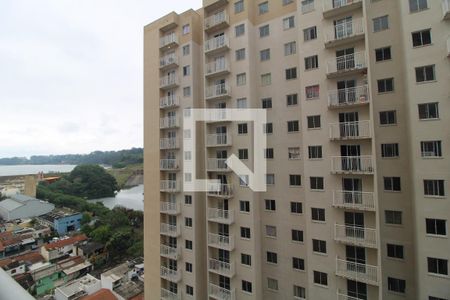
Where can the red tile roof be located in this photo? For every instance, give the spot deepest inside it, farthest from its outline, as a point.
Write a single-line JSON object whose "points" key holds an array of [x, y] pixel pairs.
{"points": [[66, 242], [102, 294], [32, 257], [138, 297]]}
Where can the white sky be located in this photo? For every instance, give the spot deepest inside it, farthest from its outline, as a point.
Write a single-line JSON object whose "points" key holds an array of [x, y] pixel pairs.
{"points": [[71, 73]]}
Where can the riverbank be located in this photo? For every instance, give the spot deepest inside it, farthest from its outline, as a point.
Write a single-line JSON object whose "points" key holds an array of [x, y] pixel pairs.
{"points": [[132, 198], [129, 176]]}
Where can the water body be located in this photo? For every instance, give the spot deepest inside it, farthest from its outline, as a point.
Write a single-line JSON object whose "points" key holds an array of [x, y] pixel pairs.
{"points": [[130, 198], [16, 170]]}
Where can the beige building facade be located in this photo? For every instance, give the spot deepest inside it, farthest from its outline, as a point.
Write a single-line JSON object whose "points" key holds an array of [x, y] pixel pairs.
{"points": [[357, 99]]}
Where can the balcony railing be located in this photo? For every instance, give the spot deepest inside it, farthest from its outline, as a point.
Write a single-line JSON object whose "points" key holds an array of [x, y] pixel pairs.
{"points": [[172, 208], [221, 215], [221, 241], [345, 30], [219, 18], [220, 190], [169, 122], [169, 102], [216, 43], [219, 139], [446, 9], [169, 186], [342, 295], [168, 81], [349, 96], [352, 164], [356, 271], [170, 252], [168, 295], [359, 236], [168, 40], [354, 200], [330, 7], [171, 275], [220, 67], [168, 60], [221, 267], [170, 230], [217, 165], [168, 143], [346, 63], [217, 91], [219, 293], [168, 164], [350, 130]]}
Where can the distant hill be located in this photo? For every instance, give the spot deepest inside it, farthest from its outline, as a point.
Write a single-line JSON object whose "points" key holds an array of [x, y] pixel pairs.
{"points": [[114, 158]]}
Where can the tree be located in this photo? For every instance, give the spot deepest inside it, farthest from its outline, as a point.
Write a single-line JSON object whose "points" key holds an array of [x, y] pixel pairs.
{"points": [[101, 234], [86, 219]]}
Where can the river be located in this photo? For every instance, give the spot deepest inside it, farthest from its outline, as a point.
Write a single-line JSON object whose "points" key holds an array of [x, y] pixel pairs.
{"points": [[17, 170], [130, 198]]}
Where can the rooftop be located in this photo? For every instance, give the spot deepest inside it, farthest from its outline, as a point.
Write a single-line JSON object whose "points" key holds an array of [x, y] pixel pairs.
{"points": [[65, 242], [130, 289], [58, 214], [91, 247], [103, 294], [118, 272], [28, 258], [77, 286]]}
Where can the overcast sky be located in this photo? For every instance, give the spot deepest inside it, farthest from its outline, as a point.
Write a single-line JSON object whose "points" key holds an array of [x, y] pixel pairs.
{"points": [[71, 73]]}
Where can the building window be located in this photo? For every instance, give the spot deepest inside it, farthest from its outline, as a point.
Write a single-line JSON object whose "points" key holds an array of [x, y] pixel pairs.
{"points": [[243, 153], [286, 2], [395, 251], [246, 259], [388, 117], [298, 263], [270, 179], [421, 38], [380, 23], [297, 235], [244, 206], [389, 150], [186, 29], [272, 257], [318, 214], [311, 62], [189, 290], [435, 298], [385, 85], [310, 33], [299, 292], [291, 73], [417, 5], [296, 207], [396, 285], [268, 153], [290, 48], [268, 128], [271, 231], [428, 110], [425, 73], [245, 233], [238, 6], [393, 217], [316, 183], [320, 278], [266, 79], [288, 23], [239, 30], [307, 6], [242, 128], [188, 267], [293, 153], [264, 31], [392, 184], [188, 222], [247, 286], [187, 91], [383, 54], [241, 103], [437, 266], [314, 152], [291, 99], [293, 126], [319, 246], [241, 79], [433, 187], [188, 244], [263, 7], [240, 54], [270, 204], [188, 199], [436, 226], [243, 180], [313, 122], [431, 148], [186, 50], [312, 92], [186, 70], [266, 103], [272, 284], [295, 180], [264, 54]]}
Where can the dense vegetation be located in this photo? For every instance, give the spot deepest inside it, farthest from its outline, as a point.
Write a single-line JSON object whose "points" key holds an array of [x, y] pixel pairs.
{"points": [[114, 158]]}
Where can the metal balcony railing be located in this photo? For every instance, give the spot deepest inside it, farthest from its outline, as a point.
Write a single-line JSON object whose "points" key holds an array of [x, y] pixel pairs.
{"points": [[167, 40], [216, 43], [168, 81], [329, 5], [220, 190], [216, 19], [170, 59], [350, 130], [219, 293], [169, 186], [218, 139], [342, 295], [354, 200], [168, 164], [356, 271], [360, 236], [170, 207], [352, 164], [171, 275], [221, 241], [168, 143], [345, 30], [169, 122], [217, 165], [168, 295], [217, 91], [348, 96], [221, 267], [170, 252], [221, 215], [217, 67], [349, 62], [170, 230], [169, 101]]}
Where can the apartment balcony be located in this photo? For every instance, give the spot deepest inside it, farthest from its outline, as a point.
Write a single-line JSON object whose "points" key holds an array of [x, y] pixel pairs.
{"points": [[168, 82], [168, 143], [217, 44], [332, 8], [170, 252], [217, 165], [221, 216], [348, 97], [168, 41], [356, 271], [363, 165], [343, 295], [209, 5], [220, 190], [348, 32], [347, 65], [171, 275], [170, 208], [221, 241], [169, 122], [217, 21], [350, 130], [169, 102], [221, 267], [169, 22], [219, 293], [168, 295], [446, 9], [217, 68], [168, 61], [170, 186], [170, 230], [354, 235], [218, 140], [168, 164], [218, 91], [355, 200]]}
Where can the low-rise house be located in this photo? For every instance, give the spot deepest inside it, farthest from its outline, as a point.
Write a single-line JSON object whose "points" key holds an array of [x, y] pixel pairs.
{"points": [[62, 220], [61, 248], [22, 207], [103, 294], [20, 264], [95, 252], [125, 281], [78, 289]]}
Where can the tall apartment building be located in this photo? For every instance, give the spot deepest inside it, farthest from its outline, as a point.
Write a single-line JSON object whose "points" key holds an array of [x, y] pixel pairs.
{"points": [[357, 205]]}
